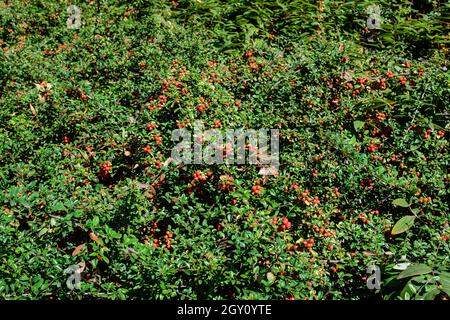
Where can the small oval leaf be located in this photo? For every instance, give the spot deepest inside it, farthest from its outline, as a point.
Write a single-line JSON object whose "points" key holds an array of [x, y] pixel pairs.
{"points": [[358, 124], [270, 277], [400, 203]]}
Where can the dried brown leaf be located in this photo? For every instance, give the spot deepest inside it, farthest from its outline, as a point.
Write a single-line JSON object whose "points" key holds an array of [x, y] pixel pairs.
{"points": [[78, 249]]}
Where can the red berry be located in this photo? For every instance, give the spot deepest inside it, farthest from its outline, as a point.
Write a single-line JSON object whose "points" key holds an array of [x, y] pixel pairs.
{"points": [[256, 189]]}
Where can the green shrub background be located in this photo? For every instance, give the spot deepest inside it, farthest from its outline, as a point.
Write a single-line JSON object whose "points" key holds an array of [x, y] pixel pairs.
{"points": [[354, 139]]}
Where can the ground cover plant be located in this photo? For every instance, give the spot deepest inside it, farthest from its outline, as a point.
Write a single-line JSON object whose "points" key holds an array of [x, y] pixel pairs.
{"points": [[87, 116]]}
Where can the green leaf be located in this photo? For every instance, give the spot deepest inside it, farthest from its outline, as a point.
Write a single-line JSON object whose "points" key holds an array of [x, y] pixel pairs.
{"points": [[95, 221], [358, 124], [59, 206], [444, 279], [352, 140], [444, 276], [403, 225], [35, 288], [408, 291], [422, 279], [42, 232], [414, 148], [270, 277], [431, 294], [400, 203], [414, 270]]}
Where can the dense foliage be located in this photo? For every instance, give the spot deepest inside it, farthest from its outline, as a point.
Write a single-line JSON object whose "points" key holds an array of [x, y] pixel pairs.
{"points": [[86, 120]]}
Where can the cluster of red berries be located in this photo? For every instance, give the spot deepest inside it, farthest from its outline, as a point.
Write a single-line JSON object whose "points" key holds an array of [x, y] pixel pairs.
{"points": [[293, 248], [295, 186], [316, 200], [199, 176], [309, 243], [153, 229], [372, 148], [381, 116], [336, 193], [256, 189], [162, 99], [335, 269], [183, 124], [425, 199], [367, 183], [159, 105], [105, 169], [445, 237], [203, 105], [200, 108], [326, 233], [285, 223], [304, 196], [158, 138], [363, 218], [226, 182], [148, 150], [426, 135], [168, 239]]}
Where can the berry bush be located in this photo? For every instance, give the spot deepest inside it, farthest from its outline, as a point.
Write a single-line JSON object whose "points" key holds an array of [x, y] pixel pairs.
{"points": [[86, 177]]}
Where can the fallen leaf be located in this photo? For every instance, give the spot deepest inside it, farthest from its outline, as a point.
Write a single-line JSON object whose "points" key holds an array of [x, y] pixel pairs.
{"points": [[93, 236], [82, 265], [347, 76], [167, 162], [33, 110], [41, 98], [78, 249]]}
